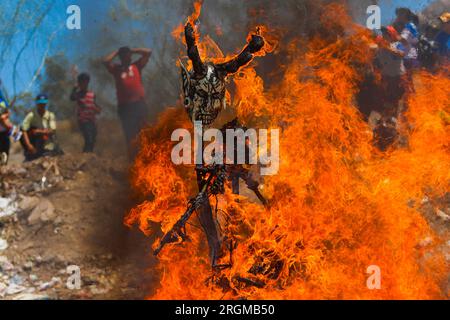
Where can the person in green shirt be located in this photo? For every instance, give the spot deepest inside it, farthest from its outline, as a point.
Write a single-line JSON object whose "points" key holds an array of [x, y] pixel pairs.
{"points": [[39, 128]]}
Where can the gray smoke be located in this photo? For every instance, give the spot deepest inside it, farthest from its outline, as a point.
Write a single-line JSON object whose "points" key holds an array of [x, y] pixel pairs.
{"points": [[150, 23]]}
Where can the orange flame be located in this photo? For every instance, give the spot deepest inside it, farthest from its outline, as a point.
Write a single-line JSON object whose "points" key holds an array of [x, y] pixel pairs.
{"points": [[338, 205], [178, 32]]}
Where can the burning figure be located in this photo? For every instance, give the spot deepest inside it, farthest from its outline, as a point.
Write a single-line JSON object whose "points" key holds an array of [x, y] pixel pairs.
{"points": [[204, 98], [204, 87]]}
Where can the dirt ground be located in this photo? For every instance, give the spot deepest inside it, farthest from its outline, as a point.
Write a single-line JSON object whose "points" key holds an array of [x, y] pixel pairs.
{"points": [[90, 196]]}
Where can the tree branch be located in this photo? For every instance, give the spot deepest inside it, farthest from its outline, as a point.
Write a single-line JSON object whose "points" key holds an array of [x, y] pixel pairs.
{"points": [[27, 41]]}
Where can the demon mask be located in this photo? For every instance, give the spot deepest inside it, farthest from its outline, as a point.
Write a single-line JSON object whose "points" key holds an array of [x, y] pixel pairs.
{"points": [[204, 86], [204, 97]]}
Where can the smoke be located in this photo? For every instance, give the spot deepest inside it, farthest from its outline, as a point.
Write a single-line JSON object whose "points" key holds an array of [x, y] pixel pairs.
{"points": [[149, 23], [433, 11]]}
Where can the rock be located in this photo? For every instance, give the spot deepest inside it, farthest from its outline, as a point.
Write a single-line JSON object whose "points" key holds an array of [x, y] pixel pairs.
{"points": [[36, 187], [3, 244], [62, 271], [27, 204], [33, 277], [96, 291], [44, 286], [47, 258], [14, 289], [43, 212], [17, 280], [19, 171], [441, 214], [7, 207], [88, 281], [56, 280], [50, 284], [30, 296], [30, 290], [38, 259], [45, 164], [58, 221], [425, 200], [28, 266], [3, 288], [5, 265], [426, 242]]}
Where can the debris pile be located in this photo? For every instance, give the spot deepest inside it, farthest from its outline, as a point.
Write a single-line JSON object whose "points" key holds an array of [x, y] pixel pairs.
{"points": [[62, 212]]}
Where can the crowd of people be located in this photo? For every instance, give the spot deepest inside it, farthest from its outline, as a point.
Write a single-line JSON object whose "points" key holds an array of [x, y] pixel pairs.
{"points": [[401, 48], [37, 132]]}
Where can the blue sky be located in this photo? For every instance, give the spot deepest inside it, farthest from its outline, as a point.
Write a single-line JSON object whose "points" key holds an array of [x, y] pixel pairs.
{"points": [[388, 7], [93, 13], [64, 41]]}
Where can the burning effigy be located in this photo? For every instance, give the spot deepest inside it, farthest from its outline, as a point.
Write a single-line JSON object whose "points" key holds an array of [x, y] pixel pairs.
{"points": [[337, 206], [254, 153]]}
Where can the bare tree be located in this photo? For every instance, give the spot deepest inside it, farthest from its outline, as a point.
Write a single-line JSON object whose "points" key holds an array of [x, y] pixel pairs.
{"points": [[22, 21]]}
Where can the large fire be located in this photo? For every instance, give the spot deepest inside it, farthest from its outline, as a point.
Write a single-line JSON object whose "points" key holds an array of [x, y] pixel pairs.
{"points": [[337, 205]]}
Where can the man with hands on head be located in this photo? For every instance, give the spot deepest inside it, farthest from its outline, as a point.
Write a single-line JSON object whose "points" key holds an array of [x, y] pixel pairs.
{"points": [[130, 91]]}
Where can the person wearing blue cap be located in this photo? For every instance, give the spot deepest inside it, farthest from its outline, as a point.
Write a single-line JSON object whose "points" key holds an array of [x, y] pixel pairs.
{"points": [[39, 128]]}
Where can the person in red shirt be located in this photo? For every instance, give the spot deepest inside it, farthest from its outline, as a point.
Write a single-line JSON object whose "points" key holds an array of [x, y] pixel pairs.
{"points": [[87, 111], [132, 107]]}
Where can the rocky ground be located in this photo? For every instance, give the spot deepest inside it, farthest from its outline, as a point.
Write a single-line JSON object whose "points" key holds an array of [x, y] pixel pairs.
{"points": [[437, 212], [67, 211], [57, 213]]}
